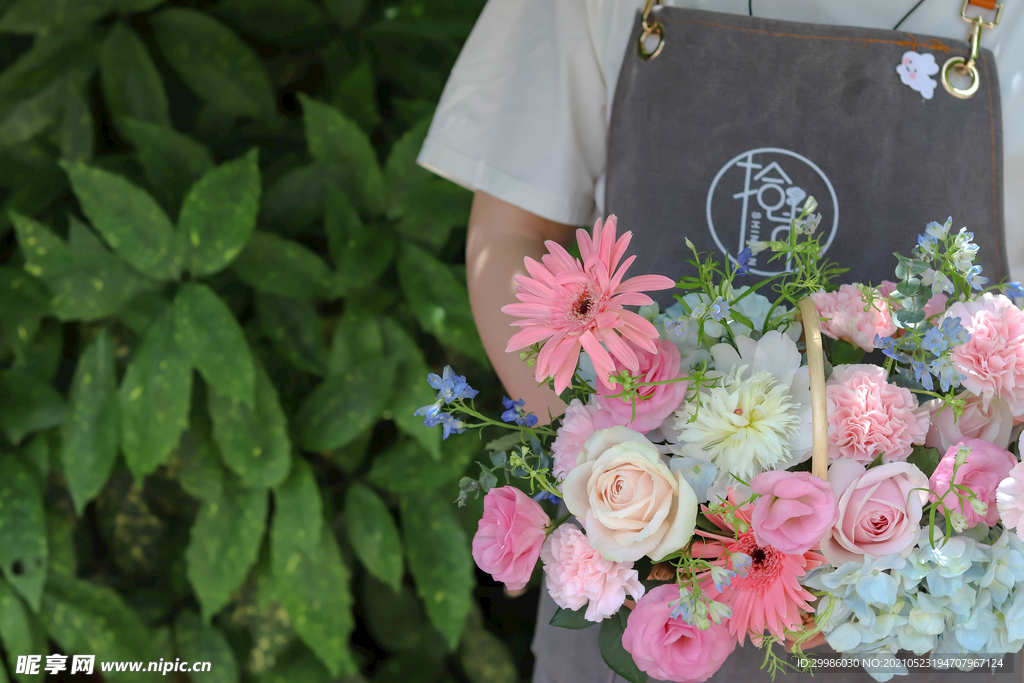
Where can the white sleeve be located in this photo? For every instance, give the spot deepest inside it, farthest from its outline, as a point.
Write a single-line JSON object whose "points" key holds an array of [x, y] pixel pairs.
{"points": [[523, 114]]}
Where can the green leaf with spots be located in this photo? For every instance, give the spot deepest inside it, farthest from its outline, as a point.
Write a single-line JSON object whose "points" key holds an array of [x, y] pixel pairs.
{"points": [[60, 530], [51, 16], [332, 137], [224, 543], [406, 466], [273, 264], [357, 339], [131, 221], [356, 95], [23, 549], [20, 632], [77, 129], [214, 63], [439, 560], [343, 405], [297, 198], [24, 304], [92, 428], [155, 396], [254, 444], [27, 404], [131, 83], [293, 327], [412, 391], [484, 656], [398, 622], [439, 300], [198, 642], [361, 252], [201, 474], [171, 160], [373, 534], [206, 329], [219, 213], [82, 617], [298, 512]]}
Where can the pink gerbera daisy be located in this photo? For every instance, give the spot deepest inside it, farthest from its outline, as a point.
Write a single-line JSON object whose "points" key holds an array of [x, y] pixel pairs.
{"points": [[579, 306], [769, 595]]}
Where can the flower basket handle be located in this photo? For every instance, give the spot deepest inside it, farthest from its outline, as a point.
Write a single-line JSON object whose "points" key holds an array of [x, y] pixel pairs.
{"points": [[816, 368]]}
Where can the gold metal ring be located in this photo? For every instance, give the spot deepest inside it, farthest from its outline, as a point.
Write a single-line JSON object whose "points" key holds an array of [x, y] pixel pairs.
{"points": [[961, 65], [655, 29]]}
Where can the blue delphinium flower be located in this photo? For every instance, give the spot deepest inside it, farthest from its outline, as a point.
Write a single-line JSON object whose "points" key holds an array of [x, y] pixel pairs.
{"points": [[741, 563], [922, 373], [722, 577], [451, 425], [888, 346], [975, 278], [514, 412], [451, 387], [947, 374], [545, 495], [955, 333], [935, 341], [1014, 290], [430, 413], [719, 309], [743, 261]]}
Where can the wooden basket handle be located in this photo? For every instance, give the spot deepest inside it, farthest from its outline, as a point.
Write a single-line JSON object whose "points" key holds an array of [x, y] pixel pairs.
{"points": [[816, 368]]}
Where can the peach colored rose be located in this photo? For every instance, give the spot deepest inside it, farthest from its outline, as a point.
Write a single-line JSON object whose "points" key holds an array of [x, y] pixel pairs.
{"points": [[577, 426], [986, 466], [879, 510], [794, 512], [658, 401], [630, 503], [868, 415], [509, 536], [843, 316], [993, 423]]}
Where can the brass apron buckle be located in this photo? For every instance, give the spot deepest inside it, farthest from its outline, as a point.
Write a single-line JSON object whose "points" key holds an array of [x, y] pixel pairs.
{"points": [[967, 66]]}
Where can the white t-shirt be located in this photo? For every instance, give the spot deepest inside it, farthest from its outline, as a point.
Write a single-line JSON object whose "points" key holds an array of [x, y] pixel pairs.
{"points": [[525, 111]]}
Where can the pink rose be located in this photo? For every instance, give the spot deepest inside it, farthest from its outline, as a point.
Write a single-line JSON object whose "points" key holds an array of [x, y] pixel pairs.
{"points": [[935, 305], [1010, 499], [577, 427], [879, 510], [794, 512], [867, 415], [986, 466], [576, 575], [992, 362], [509, 536], [843, 316], [659, 400], [991, 423], [670, 649]]}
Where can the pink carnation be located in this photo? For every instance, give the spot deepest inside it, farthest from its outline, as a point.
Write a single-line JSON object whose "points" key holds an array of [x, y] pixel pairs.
{"points": [[992, 422], [992, 362], [985, 468], [843, 316], [794, 512], [867, 415], [509, 536], [658, 401], [577, 427], [1010, 499], [670, 649], [576, 575]]}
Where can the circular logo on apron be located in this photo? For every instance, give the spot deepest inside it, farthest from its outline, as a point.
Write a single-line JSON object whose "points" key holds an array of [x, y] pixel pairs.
{"points": [[758, 193]]}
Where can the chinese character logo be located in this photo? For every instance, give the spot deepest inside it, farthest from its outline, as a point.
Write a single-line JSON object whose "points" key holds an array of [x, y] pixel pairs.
{"points": [[756, 195]]}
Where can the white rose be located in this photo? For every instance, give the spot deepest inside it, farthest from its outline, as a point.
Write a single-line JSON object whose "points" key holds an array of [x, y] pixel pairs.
{"points": [[629, 501]]}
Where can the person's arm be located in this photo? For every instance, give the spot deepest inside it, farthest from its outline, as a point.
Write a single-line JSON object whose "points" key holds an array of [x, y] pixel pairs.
{"points": [[500, 236]]}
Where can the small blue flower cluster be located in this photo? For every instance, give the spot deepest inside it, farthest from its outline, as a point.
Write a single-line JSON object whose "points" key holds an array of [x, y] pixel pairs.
{"points": [[938, 342], [514, 412], [450, 387]]}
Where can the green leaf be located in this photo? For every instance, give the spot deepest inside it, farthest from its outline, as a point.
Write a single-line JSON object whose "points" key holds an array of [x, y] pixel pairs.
{"points": [[224, 543], [27, 404], [411, 388], [219, 213], [401, 172], [214, 63], [87, 285], [291, 23], [201, 474], [198, 642], [254, 444], [24, 304], [131, 83], [92, 428], [143, 310], [439, 300], [346, 12], [19, 631], [439, 560], [82, 617], [398, 622], [273, 264], [407, 467], [43, 356], [298, 513], [926, 459], [316, 591], [39, 111], [206, 329], [51, 16], [361, 252], [23, 547], [155, 396], [344, 405], [357, 339], [60, 530], [373, 535], [77, 129], [130, 6], [614, 655], [332, 137], [845, 353], [356, 95], [293, 327], [484, 657], [129, 219], [298, 197], [36, 454], [171, 160], [568, 618]]}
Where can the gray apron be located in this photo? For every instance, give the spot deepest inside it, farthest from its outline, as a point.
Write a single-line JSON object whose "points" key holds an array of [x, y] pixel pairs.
{"points": [[721, 137]]}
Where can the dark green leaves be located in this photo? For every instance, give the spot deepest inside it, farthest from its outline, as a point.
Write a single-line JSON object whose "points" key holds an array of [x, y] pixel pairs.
{"points": [[206, 329], [926, 459], [614, 655], [293, 327], [219, 213], [27, 404], [170, 160], [344, 405], [568, 618], [224, 543], [92, 429], [439, 560], [277, 265], [373, 534], [200, 643], [45, 16], [131, 83], [283, 23], [360, 252], [23, 547], [298, 513], [19, 631], [215, 63], [129, 219], [155, 395]]}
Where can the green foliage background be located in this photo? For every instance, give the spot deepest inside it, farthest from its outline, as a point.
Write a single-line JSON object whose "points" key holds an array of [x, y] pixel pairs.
{"points": [[223, 282]]}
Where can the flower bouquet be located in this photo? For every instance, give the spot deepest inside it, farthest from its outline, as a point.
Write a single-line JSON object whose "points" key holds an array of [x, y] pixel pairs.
{"points": [[829, 463]]}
